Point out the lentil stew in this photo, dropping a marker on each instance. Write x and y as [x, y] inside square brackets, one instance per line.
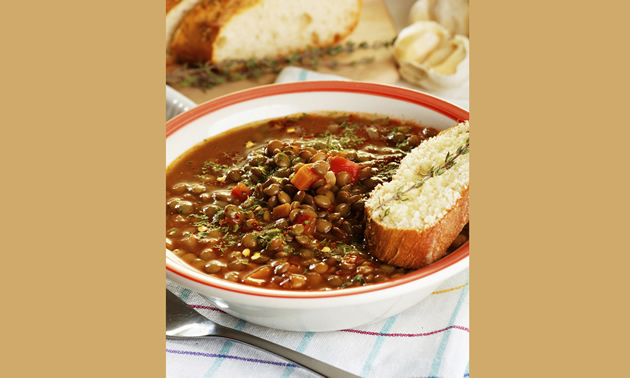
[279, 204]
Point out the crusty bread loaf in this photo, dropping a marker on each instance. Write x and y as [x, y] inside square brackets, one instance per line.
[175, 13]
[218, 30]
[417, 229]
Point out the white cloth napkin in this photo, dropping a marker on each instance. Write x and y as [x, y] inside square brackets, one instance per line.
[431, 339]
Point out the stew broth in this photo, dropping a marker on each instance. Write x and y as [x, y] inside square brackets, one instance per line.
[279, 204]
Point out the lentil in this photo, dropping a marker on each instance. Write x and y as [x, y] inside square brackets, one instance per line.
[280, 237]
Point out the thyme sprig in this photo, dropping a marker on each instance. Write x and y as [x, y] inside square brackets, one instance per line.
[449, 162]
[207, 75]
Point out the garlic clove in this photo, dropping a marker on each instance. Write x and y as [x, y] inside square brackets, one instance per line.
[419, 48]
[452, 14]
[447, 62]
[429, 56]
[441, 54]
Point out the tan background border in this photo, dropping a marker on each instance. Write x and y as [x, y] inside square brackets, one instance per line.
[82, 156]
[82, 187]
[549, 201]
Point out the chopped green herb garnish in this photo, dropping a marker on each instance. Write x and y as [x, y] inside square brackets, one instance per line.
[359, 278]
[212, 167]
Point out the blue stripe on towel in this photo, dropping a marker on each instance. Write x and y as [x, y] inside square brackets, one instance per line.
[185, 294]
[305, 340]
[224, 351]
[437, 361]
[377, 346]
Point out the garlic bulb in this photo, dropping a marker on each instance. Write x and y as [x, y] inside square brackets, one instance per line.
[430, 56]
[452, 14]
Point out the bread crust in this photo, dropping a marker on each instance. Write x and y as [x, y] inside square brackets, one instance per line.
[195, 39]
[170, 4]
[414, 249]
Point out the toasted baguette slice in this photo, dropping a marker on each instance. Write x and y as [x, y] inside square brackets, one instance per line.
[417, 230]
[218, 30]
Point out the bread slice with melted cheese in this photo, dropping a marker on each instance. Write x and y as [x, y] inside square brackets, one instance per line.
[416, 228]
[218, 30]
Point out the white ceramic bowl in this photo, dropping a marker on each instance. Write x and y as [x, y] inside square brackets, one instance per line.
[318, 310]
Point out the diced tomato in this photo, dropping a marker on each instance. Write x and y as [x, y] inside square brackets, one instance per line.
[235, 219]
[241, 191]
[339, 164]
[305, 177]
[308, 222]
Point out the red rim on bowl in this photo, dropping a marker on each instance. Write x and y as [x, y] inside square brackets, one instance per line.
[427, 101]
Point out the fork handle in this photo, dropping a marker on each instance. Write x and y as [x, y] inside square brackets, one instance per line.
[315, 366]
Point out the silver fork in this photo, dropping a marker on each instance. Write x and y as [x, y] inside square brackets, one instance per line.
[182, 322]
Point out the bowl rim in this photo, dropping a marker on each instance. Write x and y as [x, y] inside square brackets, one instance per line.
[457, 114]
[436, 104]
